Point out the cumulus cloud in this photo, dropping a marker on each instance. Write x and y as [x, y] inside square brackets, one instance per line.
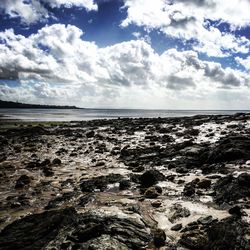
[244, 62]
[56, 65]
[34, 10]
[191, 20]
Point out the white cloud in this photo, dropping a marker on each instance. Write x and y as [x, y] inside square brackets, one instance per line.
[56, 66]
[87, 4]
[188, 20]
[244, 62]
[34, 10]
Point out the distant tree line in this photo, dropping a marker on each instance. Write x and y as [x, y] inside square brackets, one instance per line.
[8, 105]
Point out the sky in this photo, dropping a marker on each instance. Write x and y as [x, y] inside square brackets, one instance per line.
[149, 54]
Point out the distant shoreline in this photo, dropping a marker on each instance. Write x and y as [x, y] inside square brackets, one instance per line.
[18, 105]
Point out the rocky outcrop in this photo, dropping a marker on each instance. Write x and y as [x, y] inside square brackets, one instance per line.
[230, 189]
[66, 229]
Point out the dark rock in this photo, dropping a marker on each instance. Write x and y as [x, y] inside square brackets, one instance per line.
[85, 199]
[36, 231]
[194, 240]
[100, 163]
[156, 203]
[177, 211]
[91, 230]
[15, 204]
[191, 226]
[151, 177]
[22, 181]
[124, 184]
[205, 220]
[176, 227]
[189, 190]
[230, 149]
[99, 182]
[138, 169]
[151, 193]
[33, 164]
[59, 200]
[193, 132]
[230, 233]
[182, 170]
[230, 188]
[48, 171]
[244, 180]
[236, 210]
[45, 162]
[205, 184]
[56, 161]
[90, 134]
[57, 229]
[95, 225]
[159, 238]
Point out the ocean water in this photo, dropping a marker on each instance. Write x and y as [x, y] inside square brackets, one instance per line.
[90, 114]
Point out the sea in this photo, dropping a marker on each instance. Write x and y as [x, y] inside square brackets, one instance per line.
[91, 114]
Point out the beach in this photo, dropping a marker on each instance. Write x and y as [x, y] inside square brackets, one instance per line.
[126, 183]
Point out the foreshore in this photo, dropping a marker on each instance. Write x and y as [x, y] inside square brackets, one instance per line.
[146, 183]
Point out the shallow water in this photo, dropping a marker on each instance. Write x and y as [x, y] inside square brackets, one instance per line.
[89, 114]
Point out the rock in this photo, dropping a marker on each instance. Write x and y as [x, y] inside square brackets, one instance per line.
[100, 164]
[177, 211]
[156, 203]
[151, 193]
[194, 240]
[99, 182]
[36, 231]
[205, 220]
[15, 204]
[189, 190]
[60, 229]
[22, 181]
[124, 184]
[59, 200]
[230, 149]
[181, 170]
[106, 242]
[230, 233]
[192, 132]
[151, 177]
[191, 226]
[90, 134]
[159, 238]
[176, 227]
[204, 184]
[138, 169]
[45, 162]
[94, 226]
[244, 180]
[48, 171]
[85, 199]
[229, 188]
[56, 161]
[236, 210]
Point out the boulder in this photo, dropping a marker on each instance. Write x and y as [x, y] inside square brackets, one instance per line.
[99, 182]
[159, 238]
[230, 189]
[22, 181]
[230, 149]
[66, 229]
[151, 177]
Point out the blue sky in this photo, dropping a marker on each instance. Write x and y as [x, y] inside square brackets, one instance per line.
[126, 54]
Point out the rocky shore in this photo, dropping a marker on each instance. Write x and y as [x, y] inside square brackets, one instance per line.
[165, 183]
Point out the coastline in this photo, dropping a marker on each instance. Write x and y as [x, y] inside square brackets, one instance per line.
[163, 179]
